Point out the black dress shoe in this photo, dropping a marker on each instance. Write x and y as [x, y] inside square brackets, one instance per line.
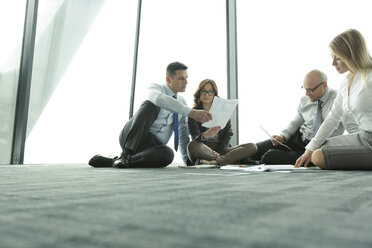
[123, 161]
[99, 161]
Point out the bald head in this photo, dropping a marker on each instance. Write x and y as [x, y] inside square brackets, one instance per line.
[316, 75]
[315, 83]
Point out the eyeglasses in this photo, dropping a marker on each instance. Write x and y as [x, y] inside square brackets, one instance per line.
[210, 92]
[313, 89]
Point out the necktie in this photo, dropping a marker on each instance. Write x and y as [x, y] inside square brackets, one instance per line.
[175, 127]
[318, 117]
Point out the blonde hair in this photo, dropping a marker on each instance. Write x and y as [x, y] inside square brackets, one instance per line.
[351, 48]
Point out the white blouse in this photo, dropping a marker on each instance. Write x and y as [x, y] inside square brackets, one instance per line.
[358, 104]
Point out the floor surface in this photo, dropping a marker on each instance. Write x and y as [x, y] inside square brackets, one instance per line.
[80, 206]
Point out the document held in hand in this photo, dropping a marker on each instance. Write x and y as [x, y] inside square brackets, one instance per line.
[271, 137]
[221, 111]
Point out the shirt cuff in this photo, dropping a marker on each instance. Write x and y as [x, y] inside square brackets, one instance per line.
[286, 136]
[185, 111]
[311, 146]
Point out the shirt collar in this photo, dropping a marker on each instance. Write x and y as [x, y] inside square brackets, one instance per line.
[168, 90]
[325, 97]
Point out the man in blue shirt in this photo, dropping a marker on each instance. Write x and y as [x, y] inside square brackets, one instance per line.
[144, 137]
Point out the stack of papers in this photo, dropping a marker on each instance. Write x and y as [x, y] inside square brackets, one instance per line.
[199, 166]
[263, 168]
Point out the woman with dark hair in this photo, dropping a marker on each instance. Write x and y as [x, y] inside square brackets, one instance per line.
[212, 145]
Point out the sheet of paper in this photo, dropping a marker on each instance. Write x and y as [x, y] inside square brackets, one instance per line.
[221, 111]
[291, 168]
[199, 166]
[253, 168]
[275, 168]
[271, 137]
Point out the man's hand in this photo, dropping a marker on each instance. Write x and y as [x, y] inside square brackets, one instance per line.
[211, 132]
[200, 115]
[305, 159]
[278, 138]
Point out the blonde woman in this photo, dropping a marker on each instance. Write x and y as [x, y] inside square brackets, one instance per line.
[353, 151]
[212, 146]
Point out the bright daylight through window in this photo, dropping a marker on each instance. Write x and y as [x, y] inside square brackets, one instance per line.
[82, 72]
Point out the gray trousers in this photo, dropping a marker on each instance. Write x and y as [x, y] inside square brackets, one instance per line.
[199, 150]
[348, 152]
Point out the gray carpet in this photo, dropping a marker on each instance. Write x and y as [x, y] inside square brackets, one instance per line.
[79, 206]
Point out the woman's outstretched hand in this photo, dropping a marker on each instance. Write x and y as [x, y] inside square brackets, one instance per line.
[305, 159]
[211, 132]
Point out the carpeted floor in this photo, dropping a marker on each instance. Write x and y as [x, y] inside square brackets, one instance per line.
[79, 206]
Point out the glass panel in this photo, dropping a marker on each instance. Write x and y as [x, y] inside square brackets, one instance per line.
[81, 79]
[192, 32]
[12, 15]
[279, 42]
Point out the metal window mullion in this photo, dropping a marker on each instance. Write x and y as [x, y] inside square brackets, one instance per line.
[134, 72]
[24, 83]
[232, 65]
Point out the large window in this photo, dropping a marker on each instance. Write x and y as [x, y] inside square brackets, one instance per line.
[192, 32]
[278, 43]
[12, 14]
[82, 72]
[81, 79]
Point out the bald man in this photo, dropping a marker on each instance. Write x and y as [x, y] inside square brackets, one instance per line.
[319, 98]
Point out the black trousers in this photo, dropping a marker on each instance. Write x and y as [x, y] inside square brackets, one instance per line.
[269, 154]
[147, 151]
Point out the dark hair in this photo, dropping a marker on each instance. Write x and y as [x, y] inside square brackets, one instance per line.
[173, 67]
[197, 102]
